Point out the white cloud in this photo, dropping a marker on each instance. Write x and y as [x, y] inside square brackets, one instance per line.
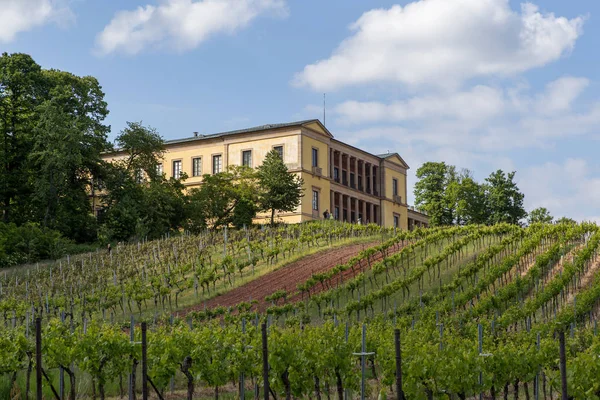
[23, 15]
[443, 43]
[479, 103]
[483, 118]
[560, 94]
[568, 189]
[479, 128]
[180, 24]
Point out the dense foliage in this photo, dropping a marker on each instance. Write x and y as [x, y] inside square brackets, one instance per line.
[30, 243]
[440, 286]
[450, 197]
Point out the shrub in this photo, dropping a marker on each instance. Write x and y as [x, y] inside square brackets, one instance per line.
[30, 243]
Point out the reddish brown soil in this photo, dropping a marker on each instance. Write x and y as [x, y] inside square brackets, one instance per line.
[288, 277]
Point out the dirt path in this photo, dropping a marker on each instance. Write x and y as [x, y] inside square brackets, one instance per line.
[585, 281]
[558, 267]
[286, 278]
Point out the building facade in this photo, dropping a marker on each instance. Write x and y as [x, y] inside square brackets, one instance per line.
[343, 180]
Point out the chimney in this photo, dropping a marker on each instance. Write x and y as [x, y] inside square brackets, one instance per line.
[195, 134]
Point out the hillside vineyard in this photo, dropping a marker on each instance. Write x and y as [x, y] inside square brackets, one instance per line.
[479, 309]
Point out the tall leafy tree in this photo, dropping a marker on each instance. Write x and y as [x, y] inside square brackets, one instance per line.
[281, 191]
[144, 149]
[504, 199]
[139, 202]
[469, 200]
[540, 214]
[67, 144]
[430, 192]
[21, 91]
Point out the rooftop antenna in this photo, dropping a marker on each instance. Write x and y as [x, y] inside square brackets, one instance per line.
[323, 109]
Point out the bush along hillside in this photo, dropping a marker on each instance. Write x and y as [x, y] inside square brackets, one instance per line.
[480, 312]
[30, 243]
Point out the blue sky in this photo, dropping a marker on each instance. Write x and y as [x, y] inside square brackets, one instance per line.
[481, 84]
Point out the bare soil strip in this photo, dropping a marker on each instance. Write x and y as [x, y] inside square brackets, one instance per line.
[286, 278]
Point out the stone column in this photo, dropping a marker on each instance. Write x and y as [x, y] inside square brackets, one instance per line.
[371, 213]
[364, 210]
[348, 208]
[348, 169]
[374, 183]
[355, 181]
[367, 184]
[331, 201]
[356, 208]
[364, 177]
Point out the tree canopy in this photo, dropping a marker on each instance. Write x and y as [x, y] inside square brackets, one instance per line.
[540, 214]
[452, 197]
[280, 190]
[51, 139]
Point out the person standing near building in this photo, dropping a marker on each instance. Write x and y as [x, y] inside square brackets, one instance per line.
[326, 214]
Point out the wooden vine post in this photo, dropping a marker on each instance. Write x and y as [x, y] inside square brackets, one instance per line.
[265, 353]
[563, 365]
[38, 358]
[399, 391]
[144, 363]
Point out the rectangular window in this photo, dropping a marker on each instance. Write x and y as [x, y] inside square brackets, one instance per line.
[336, 174]
[217, 164]
[197, 166]
[247, 158]
[159, 169]
[352, 179]
[396, 221]
[360, 186]
[395, 187]
[177, 169]
[336, 213]
[279, 149]
[315, 200]
[315, 157]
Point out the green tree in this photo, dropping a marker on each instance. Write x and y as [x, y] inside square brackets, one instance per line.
[164, 207]
[144, 149]
[244, 212]
[139, 202]
[222, 199]
[540, 214]
[468, 199]
[20, 93]
[280, 190]
[504, 199]
[566, 220]
[430, 192]
[67, 144]
[51, 138]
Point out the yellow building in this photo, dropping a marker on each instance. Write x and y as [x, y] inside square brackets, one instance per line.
[348, 182]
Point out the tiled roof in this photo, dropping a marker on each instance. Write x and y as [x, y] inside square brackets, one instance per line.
[235, 132]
